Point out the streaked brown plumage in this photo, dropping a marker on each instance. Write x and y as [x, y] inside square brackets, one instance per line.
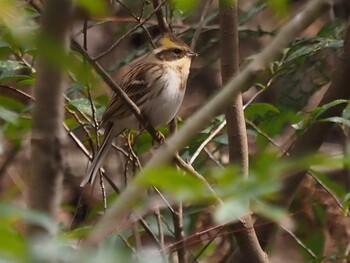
[156, 83]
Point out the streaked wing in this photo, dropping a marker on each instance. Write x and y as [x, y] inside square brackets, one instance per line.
[137, 86]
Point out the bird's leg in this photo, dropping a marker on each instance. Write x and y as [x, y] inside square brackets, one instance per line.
[160, 137]
[156, 135]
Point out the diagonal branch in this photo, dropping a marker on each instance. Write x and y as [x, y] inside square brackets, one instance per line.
[134, 192]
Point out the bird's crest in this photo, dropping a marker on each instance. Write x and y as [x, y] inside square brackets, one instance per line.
[170, 41]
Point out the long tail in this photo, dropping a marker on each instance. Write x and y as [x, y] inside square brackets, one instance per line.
[110, 132]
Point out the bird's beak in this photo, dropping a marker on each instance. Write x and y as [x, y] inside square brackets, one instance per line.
[191, 54]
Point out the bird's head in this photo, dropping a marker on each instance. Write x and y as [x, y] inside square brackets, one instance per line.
[171, 48]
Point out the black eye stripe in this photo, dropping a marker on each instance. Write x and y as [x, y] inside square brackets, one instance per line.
[177, 51]
[171, 54]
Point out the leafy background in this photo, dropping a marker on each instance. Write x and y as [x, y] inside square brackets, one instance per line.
[278, 109]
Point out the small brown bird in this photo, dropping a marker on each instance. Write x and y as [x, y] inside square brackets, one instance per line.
[156, 83]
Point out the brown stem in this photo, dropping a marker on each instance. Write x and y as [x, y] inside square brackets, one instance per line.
[162, 24]
[48, 136]
[236, 129]
[179, 234]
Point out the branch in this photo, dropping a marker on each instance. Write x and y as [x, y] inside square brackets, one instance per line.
[134, 192]
[247, 241]
[162, 24]
[140, 24]
[48, 136]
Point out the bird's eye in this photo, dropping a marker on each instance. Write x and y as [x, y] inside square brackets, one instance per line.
[177, 51]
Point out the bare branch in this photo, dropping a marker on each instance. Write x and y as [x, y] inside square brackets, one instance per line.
[129, 32]
[162, 24]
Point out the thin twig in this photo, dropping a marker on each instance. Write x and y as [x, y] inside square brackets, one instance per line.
[207, 245]
[179, 234]
[206, 141]
[201, 24]
[329, 191]
[210, 155]
[300, 243]
[126, 242]
[103, 191]
[162, 24]
[139, 20]
[128, 33]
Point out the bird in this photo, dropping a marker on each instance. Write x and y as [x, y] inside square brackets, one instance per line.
[156, 83]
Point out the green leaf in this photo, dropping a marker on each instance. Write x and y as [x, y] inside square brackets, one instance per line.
[144, 142]
[338, 120]
[93, 7]
[329, 184]
[279, 6]
[13, 246]
[182, 187]
[8, 115]
[82, 104]
[13, 77]
[346, 203]
[184, 5]
[259, 109]
[230, 210]
[26, 82]
[12, 104]
[14, 212]
[333, 29]
[268, 211]
[245, 16]
[8, 67]
[316, 113]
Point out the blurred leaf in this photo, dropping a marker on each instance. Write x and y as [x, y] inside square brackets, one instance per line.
[182, 187]
[327, 182]
[245, 16]
[8, 115]
[317, 112]
[309, 47]
[184, 5]
[259, 109]
[12, 104]
[26, 82]
[332, 29]
[231, 210]
[10, 65]
[82, 105]
[337, 120]
[93, 7]
[222, 139]
[274, 213]
[346, 203]
[75, 88]
[13, 247]
[9, 77]
[279, 6]
[16, 132]
[16, 213]
[143, 143]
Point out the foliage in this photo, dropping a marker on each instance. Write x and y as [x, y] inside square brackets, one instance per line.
[268, 119]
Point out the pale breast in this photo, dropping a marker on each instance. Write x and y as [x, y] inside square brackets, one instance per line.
[167, 98]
